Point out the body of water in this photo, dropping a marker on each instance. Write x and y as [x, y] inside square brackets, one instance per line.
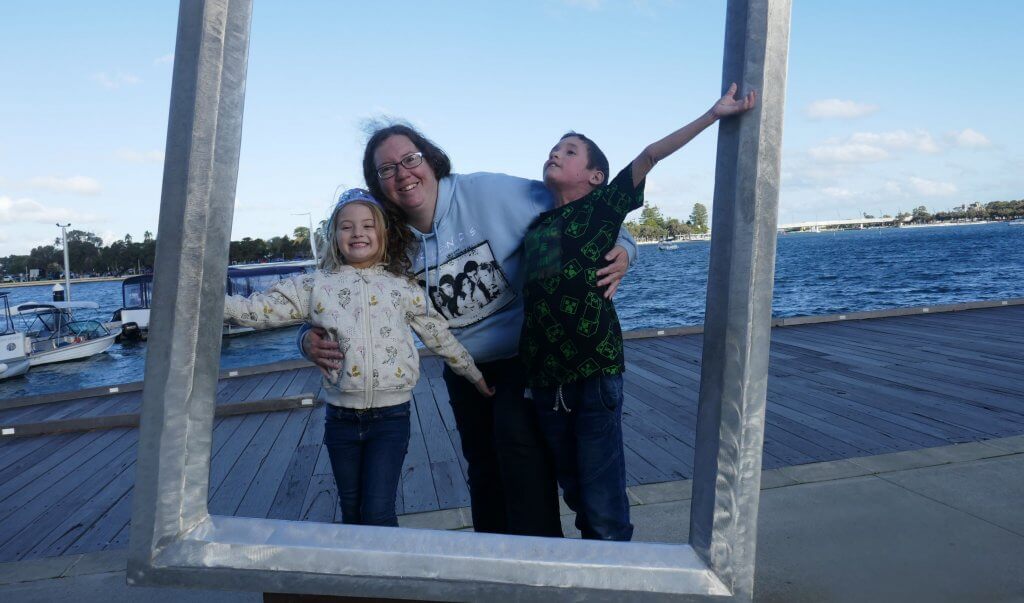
[815, 273]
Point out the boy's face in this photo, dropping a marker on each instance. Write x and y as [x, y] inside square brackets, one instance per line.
[566, 166]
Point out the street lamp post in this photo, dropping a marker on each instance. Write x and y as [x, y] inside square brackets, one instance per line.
[67, 269]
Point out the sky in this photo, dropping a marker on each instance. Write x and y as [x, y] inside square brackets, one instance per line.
[889, 105]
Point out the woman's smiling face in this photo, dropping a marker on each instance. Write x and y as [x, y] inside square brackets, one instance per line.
[413, 190]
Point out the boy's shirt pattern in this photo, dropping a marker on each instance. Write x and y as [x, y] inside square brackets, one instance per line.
[571, 332]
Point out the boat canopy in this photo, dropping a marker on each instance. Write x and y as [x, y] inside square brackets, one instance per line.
[254, 278]
[136, 291]
[243, 279]
[47, 307]
[7, 326]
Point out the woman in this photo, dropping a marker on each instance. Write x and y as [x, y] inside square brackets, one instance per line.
[482, 218]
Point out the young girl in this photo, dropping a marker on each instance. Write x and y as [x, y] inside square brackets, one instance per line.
[362, 298]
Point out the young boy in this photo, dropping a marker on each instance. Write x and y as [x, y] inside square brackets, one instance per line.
[571, 341]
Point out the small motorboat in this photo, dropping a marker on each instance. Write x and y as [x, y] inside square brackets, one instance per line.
[13, 355]
[55, 336]
[668, 246]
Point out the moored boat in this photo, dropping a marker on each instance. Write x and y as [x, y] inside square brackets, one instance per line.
[55, 336]
[13, 355]
[243, 279]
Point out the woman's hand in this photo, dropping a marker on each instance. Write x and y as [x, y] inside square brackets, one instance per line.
[727, 105]
[618, 264]
[324, 353]
[484, 389]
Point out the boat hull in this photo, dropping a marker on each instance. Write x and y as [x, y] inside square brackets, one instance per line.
[13, 368]
[74, 351]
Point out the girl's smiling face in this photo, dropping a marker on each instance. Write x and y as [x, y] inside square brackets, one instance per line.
[356, 233]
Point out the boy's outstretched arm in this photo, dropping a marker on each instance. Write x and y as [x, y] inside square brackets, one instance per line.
[656, 151]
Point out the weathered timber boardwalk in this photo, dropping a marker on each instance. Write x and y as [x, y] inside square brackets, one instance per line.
[837, 390]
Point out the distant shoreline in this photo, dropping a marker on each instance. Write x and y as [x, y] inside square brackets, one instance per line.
[824, 230]
[94, 279]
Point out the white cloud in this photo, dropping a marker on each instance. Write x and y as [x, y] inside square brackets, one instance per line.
[836, 192]
[14, 211]
[116, 80]
[894, 188]
[865, 147]
[849, 153]
[932, 188]
[918, 140]
[79, 185]
[166, 59]
[834, 108]
[969, 139]
[133, 156]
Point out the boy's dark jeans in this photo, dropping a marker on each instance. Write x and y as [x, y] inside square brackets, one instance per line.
[367, 449]
[589, 461]
[512, 484]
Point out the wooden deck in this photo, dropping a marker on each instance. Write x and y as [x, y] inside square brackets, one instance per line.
[837, 390]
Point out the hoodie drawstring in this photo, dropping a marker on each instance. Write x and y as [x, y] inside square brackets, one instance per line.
[426, 266]
[560, 401]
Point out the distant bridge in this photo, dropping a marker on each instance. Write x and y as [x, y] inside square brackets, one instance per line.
[848, 223]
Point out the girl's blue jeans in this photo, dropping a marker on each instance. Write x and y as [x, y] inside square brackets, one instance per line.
[583, 427]
[367, 449]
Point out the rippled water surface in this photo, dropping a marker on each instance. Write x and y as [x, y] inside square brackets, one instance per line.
[815, 273]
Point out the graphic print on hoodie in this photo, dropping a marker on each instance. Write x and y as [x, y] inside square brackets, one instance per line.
[468, 286]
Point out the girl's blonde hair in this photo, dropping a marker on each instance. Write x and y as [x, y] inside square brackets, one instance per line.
[395, 259]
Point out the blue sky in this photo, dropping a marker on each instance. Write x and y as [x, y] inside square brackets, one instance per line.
[890, 105]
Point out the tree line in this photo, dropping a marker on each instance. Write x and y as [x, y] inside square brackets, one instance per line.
[973, 212]
[653, 226]
[88, 256]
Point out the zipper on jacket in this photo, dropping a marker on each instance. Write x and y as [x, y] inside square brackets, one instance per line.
[368, 338]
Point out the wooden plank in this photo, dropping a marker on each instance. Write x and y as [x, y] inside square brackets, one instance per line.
[959, 425]
[39, 514]
[416, 483]
[106, 487]
[291, 493]
[228, 453]
[102, 532]
[262, 489]
[844, 437]
[22, 453]
[902, 433]
[449, 485]
[226, 499]
[656, 447]
[970, 400]
[263, 387]
[55, 469]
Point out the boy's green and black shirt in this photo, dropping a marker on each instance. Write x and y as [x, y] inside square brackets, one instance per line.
[571, 331]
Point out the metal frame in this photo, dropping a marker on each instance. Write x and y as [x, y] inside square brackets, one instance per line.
[176, 542]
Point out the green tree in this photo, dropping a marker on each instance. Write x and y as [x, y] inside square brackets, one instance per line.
[699, 218]
[651, 217]
[920, 214]
[676, 228]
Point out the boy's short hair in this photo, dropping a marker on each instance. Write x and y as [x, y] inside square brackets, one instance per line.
[596, 158]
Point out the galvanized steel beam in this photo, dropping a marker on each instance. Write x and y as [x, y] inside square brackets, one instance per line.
[174, 540]
[737, 322]
[204, 133]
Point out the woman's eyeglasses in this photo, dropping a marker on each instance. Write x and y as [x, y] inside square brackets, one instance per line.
[388, 170]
